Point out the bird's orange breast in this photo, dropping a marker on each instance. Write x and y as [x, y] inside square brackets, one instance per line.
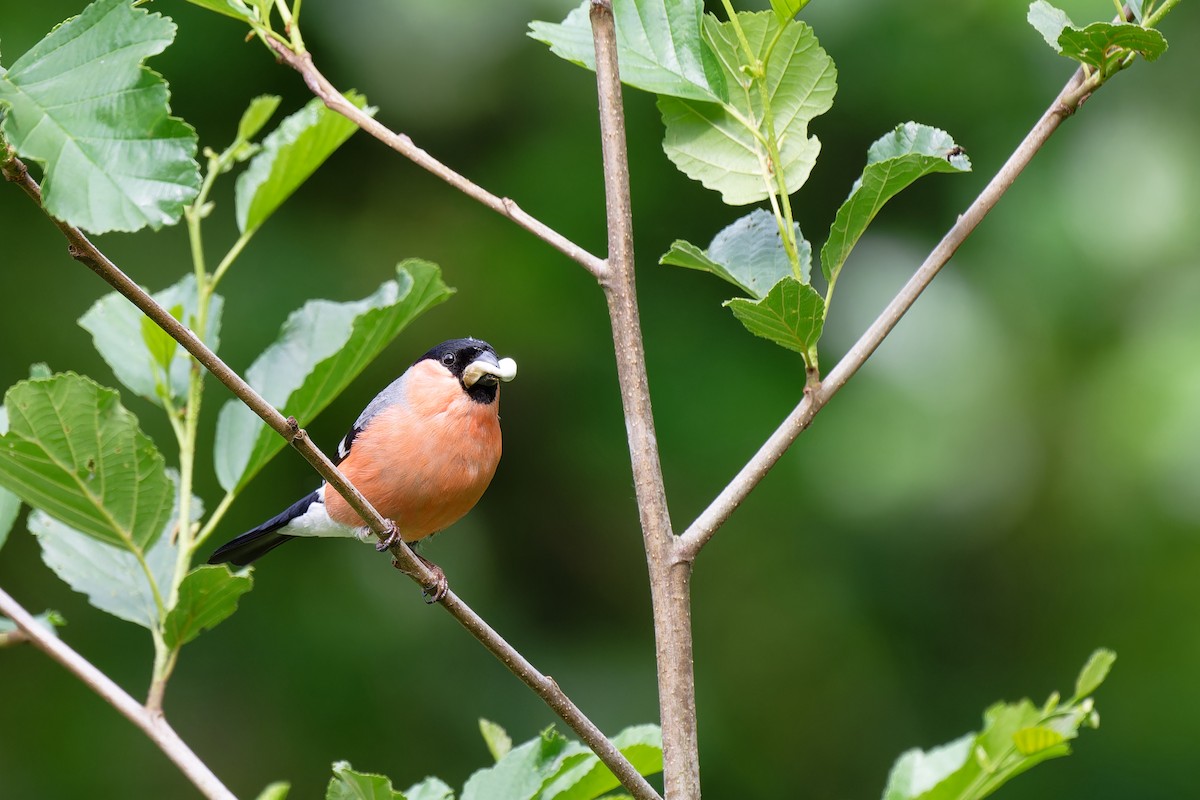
[425, 461]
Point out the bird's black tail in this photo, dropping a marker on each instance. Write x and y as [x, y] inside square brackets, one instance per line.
[257, 542]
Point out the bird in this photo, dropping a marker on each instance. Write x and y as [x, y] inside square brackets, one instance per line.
[422, 452]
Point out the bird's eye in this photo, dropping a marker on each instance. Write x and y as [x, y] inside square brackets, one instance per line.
[448, 359]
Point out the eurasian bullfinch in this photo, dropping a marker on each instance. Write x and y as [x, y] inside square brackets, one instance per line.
[422, 452]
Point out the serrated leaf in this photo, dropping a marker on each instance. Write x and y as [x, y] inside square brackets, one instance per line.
[321, 348]
[73, 451]
[719, 145]
[346, 784]
[118, 334]
[1093, 673]
[589, 777]
[207, 596]
[1036, 738]
[81, 104]
[275, 791]
[659, 46]
[114, 580]
[256, 115]
[748, 253]
[10, 504]
[50, 620]
[786, 9]
[429, 789]
[230, 8]
[498, 742]
[1049, 22]
[521, 774]
[290, 154]
[792, 315]
[1091, 44]
[894, 161]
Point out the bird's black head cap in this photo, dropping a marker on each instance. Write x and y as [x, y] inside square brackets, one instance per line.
[456, 355]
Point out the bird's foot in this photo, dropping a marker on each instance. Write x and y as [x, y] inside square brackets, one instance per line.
[392, 537]
[435, 591]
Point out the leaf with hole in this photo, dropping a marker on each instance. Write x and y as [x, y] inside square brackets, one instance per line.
[321, 348]
[660, 48]
[73, 451]
[289, 155]
[113, 158]
[123, 335]
[749, 253]
[723, 145]
[894, 161]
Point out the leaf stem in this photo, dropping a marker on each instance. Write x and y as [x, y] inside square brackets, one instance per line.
[1156, 17]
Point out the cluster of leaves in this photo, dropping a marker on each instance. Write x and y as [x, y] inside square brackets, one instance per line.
[113, 521]
[1103, 48]
[1014, 738]
[736, 99]
[547, 767]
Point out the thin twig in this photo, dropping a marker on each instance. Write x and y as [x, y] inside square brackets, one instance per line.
[701, 531]
[402, 144]
[82, 249]
[669, 578]
[153, 725]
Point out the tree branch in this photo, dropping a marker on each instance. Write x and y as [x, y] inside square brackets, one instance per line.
[82, 249]
[402, 144]
[1072, 96]
[669, 577]
[152, 724]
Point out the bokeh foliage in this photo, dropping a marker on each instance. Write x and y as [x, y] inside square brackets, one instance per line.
[990, 500]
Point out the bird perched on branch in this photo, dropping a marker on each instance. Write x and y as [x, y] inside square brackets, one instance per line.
[423, 452]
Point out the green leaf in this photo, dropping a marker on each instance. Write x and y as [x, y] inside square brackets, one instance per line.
[590, 778]
[499, 743]
[290, 154]
[119, 334]
[1093, 673]
[256, 115]
[786, 9]
[792, 315]
[159, 344]
[321, 348]
[659, 46]
[1014, 738]
[1049, 22]
[81, 104]
[894, 161]
[230, 8]
[276, 791]
[346, 784]
[10, 504]
[73, 451]
[1091, 45]
[429, 789]
[115, 580]
[749, 254]
[1036, 738]
[521, 774]
[719, 145]
[207, 596]
[50, 620]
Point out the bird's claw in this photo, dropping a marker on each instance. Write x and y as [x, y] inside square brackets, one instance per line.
[386, 542]
[435, 591]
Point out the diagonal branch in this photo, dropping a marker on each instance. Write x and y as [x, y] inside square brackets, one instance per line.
[718, 512]
[402, 144]
[153, 725]
[82, 250]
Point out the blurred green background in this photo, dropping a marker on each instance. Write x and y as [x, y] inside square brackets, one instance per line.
[1009, 483]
